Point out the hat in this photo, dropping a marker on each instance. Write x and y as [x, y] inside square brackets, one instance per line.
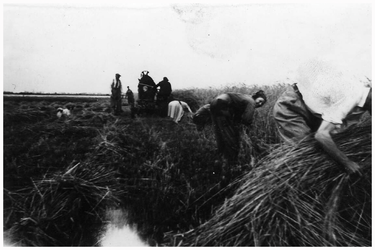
[118, 74]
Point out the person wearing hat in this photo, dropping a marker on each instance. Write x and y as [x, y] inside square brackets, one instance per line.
[118, 82]
[165, 89]
[116, 88]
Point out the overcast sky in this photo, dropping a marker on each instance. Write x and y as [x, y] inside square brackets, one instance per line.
[78, 48]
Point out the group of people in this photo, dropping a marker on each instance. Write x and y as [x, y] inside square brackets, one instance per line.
[147, 88]
[320, 101]
[116, 95]
[146, 91]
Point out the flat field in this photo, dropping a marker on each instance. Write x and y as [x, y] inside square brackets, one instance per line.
[62, 175]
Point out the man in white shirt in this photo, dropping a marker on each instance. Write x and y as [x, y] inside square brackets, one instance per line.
[326, 101]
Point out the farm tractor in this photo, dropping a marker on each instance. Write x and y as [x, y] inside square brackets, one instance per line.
[149, 102]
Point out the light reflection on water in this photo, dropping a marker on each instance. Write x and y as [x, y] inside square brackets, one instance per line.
[118, 233]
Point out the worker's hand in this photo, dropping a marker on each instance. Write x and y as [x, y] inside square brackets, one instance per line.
[352, 168]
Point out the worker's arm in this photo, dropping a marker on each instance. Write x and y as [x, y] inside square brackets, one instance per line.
[248, 115]
[323, 136]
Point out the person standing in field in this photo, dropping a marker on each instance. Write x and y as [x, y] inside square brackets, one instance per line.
[323, 100]
[165, 89]
[113, 92]
[129, 94]
[228, 111]
[116, 88]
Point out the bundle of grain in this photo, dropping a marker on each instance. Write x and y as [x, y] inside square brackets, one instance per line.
[297, 196]
[64, 209]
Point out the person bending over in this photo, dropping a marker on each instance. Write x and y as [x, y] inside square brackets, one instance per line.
[323, 100]
[228, 111]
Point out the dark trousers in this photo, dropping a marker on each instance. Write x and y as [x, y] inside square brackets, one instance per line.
[227, 131]
[293, 119]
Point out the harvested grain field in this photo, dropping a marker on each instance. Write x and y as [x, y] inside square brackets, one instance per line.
[63, 176]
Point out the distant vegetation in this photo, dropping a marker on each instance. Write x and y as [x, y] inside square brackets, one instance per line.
[55, 93]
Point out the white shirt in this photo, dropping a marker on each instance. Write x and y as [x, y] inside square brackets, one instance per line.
[61, 112]
[176, 110]
[330, 92]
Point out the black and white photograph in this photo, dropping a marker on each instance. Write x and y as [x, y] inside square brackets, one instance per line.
[187, 124]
